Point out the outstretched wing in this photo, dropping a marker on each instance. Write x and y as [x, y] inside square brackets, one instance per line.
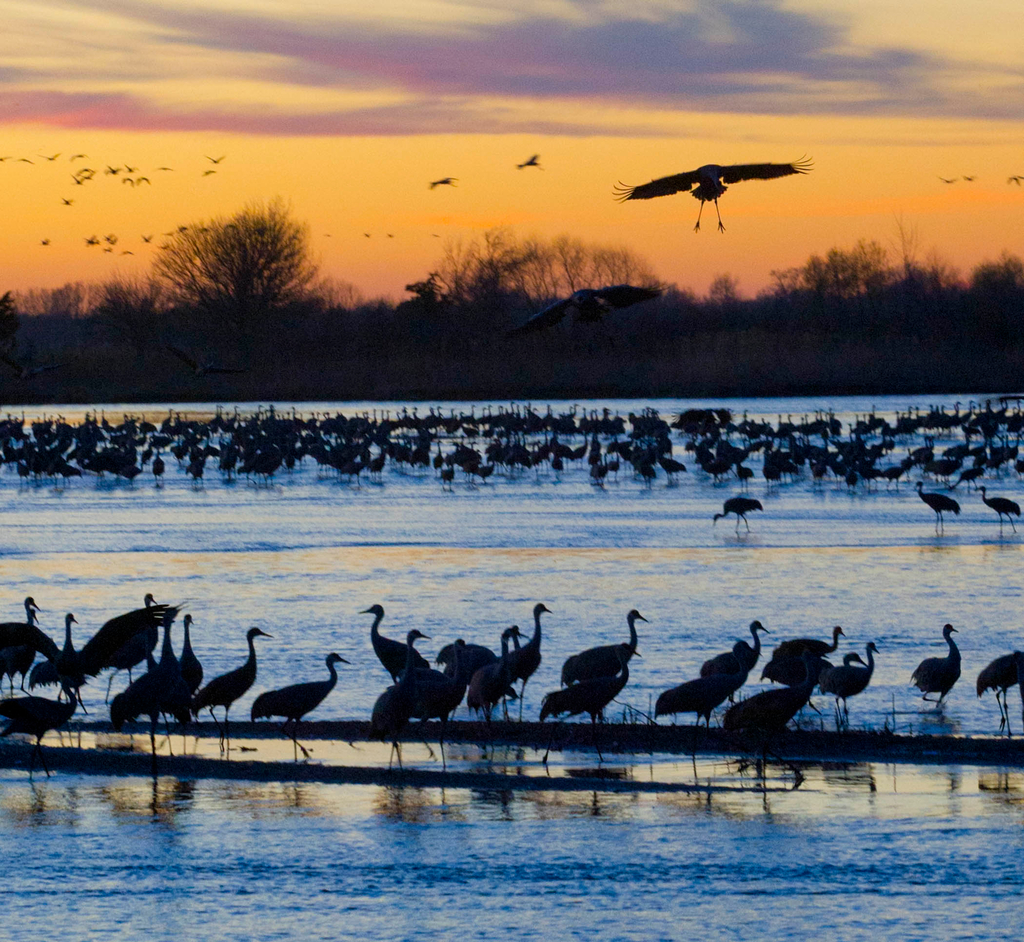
[117, 632]
[739, 172]
[550, 316]
[663, 186]
[183, 356]
[625, 295]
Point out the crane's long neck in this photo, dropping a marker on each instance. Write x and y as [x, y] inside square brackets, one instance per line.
[954, 651]
[333, 671]
[506, 661]
[250, 664]
[835, 641]
[375, 630]
[871, 661]
[69, 648]
[757, 641]
[166, 651]
[186, 644]
[633, 640]
[410, 656]
[535, 640]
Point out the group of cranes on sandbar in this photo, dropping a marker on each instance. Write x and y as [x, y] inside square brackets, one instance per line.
[591, 679]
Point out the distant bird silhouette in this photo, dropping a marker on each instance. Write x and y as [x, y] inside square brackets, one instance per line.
[938, 674]
[969, 179]
[940, 503]
[948, 179]
[786, 665]
[1002, 506]
[591, 304]
[1016, 178]
[392, 654]
[602, 661]
[227, 688]
[201, 369]
[213, 160]
[999, 675]
[295, 701]
[534, 161]
[191, 669]
[741, 506]
[444, 181]
[36, 716]
[707, 183]
[27, 372]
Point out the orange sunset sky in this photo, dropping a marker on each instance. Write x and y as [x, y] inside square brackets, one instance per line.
[347, 110]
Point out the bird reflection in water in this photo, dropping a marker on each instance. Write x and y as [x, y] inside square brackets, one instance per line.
[408, 805]
[161, 799]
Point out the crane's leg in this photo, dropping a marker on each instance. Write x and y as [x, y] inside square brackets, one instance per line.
[721, 228]
[220, 732]
[696, 228]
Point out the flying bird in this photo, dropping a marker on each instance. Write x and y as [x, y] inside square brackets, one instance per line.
[201, 369]
[591, 304]
[948, 179]
[534, 161]
[216, 160]
[1016, 178]
[444, 181]
[707, 183]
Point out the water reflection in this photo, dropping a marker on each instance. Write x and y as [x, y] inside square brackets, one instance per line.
[160, 800]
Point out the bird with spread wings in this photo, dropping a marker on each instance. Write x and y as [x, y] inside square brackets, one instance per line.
[707, 183]
[201, 369]
[591, 304]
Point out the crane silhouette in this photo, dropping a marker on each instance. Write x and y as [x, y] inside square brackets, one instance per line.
[701, 696]
[202, 369]
[490, 683]
[938, 674]
[848, 680]
[18, 658]
[444, 181]
[771, 710]
[392, 654]
[590, 304]
[36, 716]
[741, 657]
[786, 666]
[191, 669]
[602, 661]
[439, 694]
[1002, 506]
[707, 183]
[295, 701]
[526, 660]
[588, 696]
[999, 675]
[396, 705]
[741, 506]
[940, 503]
[227, 688]
[534, 161]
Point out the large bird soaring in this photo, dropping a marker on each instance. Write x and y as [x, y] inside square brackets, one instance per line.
[591, 304]
[707, 183]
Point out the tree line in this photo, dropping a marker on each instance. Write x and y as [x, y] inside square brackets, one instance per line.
[241, 293]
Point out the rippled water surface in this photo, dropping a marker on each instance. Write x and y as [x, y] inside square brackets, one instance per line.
[869, 850]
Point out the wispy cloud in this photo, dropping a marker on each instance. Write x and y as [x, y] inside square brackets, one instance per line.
[474, 66]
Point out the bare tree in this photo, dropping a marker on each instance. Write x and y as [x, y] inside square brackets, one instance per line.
[241, 270]
[135, 309]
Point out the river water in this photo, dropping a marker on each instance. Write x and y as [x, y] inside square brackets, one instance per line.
[867, 850]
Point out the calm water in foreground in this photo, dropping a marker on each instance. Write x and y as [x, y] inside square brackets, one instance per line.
[879, 851]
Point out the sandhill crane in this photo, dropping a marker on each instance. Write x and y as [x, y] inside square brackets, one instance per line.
[701, 695]
[588, 696]
[444, 181]
[707, 183]
[227, 688]
[191, 669]
[771, 710]
[999, 675]
[439, 694]
[741, 657]
[470, 658]
[395, 706]
[1002, 506]
[201, 369]
[534, 161]
[392, 654]
[295, 701]
[36, 716]
[940, 503]
[848, 680]
[741, 506]
[785, 665]
[526, 659]
[602, 661]
[489, 683]
[938, 674]
[18, 658]
[590, 304]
